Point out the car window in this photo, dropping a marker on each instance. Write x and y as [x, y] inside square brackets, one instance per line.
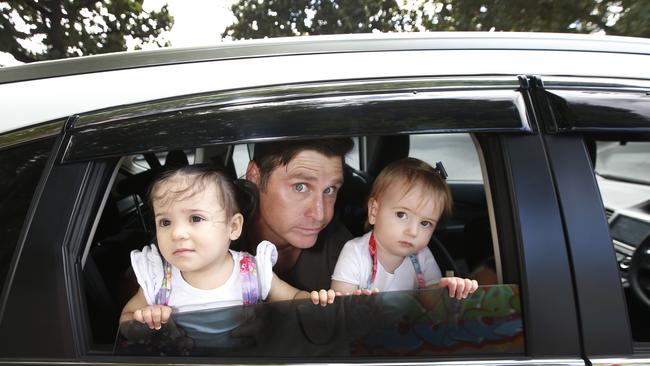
[400, 323]
[20, 170]
[462, 247]
[455, 151]
[623, 175]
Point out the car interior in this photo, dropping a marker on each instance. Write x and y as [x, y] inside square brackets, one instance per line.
[462, 241]
[621, 168]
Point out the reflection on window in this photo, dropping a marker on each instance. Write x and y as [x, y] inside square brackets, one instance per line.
[403, 323]
[456, 151]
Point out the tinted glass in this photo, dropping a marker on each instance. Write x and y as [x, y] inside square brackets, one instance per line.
[401, 323]
[623, 175]
[456, 151]
[20, 170]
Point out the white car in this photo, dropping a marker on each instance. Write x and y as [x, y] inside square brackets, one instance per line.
[517, 119]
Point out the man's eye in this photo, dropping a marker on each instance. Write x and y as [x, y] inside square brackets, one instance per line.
[400, 214]
[164, 222]
[299, 187]
[195, 218]
[329, 190]
[426, 224]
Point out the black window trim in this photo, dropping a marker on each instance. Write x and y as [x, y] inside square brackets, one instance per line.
[353, 107]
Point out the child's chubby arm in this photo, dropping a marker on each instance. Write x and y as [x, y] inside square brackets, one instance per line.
[343, 288]
[138, 309]
[281, 290]
[458, 287]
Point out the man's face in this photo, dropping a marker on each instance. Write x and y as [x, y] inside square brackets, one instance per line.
[298, 201]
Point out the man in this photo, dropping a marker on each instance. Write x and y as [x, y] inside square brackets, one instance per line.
[298, 182]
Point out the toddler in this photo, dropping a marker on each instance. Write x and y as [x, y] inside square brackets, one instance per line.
[406, 202]
[192, 267]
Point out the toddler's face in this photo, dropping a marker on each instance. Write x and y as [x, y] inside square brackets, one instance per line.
[404, 223]
[193, 231]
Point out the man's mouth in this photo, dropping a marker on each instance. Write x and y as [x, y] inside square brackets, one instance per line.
[309, 230]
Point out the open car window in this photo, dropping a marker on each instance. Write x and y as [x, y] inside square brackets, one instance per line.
[400, 323]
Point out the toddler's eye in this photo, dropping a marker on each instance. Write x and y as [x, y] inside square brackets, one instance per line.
[400, 214]
[164, 222]
[426, 224]
[195, 218]
[300, 187]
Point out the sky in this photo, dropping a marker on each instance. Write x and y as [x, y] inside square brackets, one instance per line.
[196, 23]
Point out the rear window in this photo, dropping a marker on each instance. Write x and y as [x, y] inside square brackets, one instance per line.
[20, 170]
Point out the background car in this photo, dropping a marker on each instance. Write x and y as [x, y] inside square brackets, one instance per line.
[519, 120]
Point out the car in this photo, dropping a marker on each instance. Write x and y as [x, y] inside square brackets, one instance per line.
[545, 139]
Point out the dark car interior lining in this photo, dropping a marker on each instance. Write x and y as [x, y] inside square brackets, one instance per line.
[462, 242]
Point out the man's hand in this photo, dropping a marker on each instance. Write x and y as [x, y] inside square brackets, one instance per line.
[322, 297]
[153, 315]
[458, 287]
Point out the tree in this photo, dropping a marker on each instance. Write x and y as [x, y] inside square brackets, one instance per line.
[68, 28]
[257, 19]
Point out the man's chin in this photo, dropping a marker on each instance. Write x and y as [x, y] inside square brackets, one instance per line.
[303, 241]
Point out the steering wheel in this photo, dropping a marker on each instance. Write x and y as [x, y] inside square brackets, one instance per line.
[639, 272]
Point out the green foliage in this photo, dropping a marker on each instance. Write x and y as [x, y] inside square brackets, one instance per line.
[277, 18]
[273, 18]
[77, 27]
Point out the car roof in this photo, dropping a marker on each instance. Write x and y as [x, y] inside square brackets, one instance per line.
[329, 44]
[53, 90]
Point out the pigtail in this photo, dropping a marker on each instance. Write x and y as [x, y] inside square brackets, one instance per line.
[247, 197]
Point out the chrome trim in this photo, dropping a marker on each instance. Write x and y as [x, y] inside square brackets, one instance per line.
[596, 83]
[468, 361]
[23, 135]
[99, 213]
[298, 91]
[620, 361]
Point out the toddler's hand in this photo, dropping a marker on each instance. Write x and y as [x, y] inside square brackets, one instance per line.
[322, 297]
[153, 315]
[357, 292]
[458, 287]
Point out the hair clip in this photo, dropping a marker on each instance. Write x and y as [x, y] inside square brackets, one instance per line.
[441, 170]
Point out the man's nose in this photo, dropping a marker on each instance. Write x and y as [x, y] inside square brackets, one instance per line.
[316, 209]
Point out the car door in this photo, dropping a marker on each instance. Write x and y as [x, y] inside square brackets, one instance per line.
[49, 299]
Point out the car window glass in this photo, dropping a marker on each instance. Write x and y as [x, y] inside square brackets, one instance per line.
[623, 176]
[400, 323]
[20, 170]
[463, 246]
[623, 161]
[455, 151]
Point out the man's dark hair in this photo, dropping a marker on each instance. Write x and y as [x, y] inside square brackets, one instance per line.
[270, 155]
